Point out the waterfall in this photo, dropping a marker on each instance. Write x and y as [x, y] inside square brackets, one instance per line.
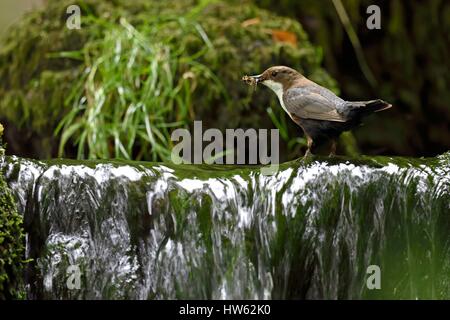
[138, 230]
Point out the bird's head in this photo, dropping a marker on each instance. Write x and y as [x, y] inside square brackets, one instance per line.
[278, 78]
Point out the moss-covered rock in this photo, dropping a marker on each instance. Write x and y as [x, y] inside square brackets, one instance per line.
[199, 50]
[12, 248]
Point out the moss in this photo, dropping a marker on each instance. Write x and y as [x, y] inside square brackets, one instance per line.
[12, 248]
[44, 66]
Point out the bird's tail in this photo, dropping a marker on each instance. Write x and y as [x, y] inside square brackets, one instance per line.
[366, 107]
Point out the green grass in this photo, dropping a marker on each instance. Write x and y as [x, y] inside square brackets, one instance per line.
[132, 94]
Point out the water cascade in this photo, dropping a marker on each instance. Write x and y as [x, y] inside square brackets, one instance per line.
[312, 230]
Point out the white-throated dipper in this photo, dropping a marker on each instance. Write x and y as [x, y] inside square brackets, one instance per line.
[318, 111]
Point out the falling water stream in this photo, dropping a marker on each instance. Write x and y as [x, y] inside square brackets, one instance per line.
[158, 231]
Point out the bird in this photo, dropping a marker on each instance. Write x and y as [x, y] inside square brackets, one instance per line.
[320, 113]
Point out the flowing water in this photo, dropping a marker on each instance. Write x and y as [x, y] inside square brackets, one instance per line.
[156, 231]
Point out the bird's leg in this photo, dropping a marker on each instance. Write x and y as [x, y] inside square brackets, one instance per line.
[333, 148]
[308, 152]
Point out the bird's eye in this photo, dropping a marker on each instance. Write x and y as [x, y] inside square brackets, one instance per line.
[274, 74]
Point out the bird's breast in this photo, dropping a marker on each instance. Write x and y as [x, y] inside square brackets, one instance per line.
[277, 88]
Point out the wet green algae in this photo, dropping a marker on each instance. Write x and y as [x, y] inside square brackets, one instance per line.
[44, 73]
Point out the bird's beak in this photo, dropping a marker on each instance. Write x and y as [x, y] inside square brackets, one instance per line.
[259, 78]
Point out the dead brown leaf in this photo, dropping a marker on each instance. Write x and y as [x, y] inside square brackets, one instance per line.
[284, 36]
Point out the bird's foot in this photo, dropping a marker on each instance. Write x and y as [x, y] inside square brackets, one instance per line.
[333, 149]
[308, 155]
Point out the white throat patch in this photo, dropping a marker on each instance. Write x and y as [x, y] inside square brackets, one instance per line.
[278, 89]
